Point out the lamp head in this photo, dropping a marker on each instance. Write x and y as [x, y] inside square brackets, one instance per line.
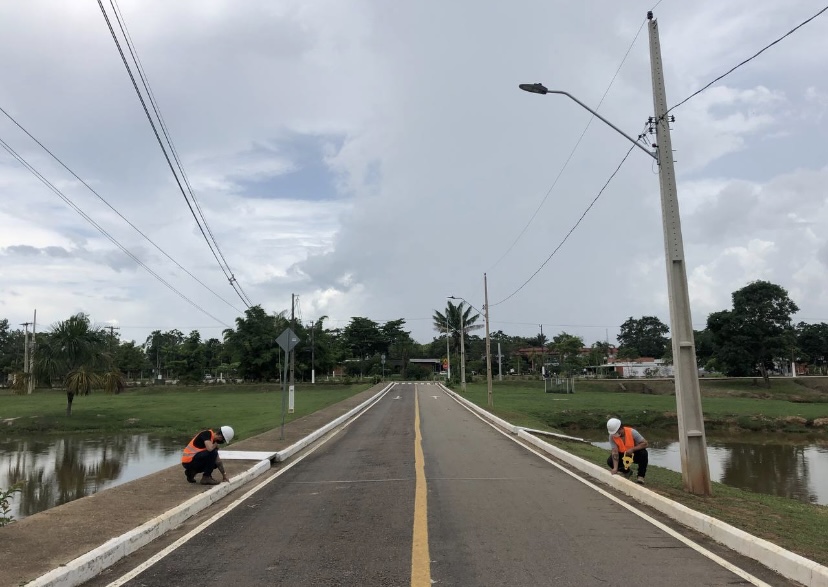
[534, 88]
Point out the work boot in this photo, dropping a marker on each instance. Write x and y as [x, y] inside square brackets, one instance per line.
[640, 480]
[190, 475]
[207, 480]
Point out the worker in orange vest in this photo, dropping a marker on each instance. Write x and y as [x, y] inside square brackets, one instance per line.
[201, 455]
[626, 442]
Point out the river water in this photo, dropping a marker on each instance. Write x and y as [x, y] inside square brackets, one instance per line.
[786, 466]
[59, 470]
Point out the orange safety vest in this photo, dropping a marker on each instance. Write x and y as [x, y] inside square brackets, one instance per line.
[624, 442]
[191, 449]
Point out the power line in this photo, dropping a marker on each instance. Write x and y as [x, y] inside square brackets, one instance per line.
[111, 207]
[752, 57]
[148, 88]
[100, 229]
[574, 148]
[571, 230]
[227, 272]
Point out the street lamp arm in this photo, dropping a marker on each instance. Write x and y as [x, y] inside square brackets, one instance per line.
[541, 89]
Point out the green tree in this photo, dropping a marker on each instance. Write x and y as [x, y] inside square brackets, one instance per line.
[455, 318]
[253, 343]
[812, 341]
[130, 358]
[11, 350]
[568, 348]
[646, 334]
[362, 338]
[757, 331]
[75, 351]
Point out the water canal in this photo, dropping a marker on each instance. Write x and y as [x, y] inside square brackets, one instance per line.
[769, 463]
[58, 470]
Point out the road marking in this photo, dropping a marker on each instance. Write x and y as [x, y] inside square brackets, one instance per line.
[420, 559]
[663, 527]
[398, 397]
[216, 517]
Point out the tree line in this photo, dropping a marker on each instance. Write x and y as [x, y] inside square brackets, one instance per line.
[754, 337]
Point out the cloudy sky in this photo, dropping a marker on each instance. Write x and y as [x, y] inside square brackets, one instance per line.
[374, 157]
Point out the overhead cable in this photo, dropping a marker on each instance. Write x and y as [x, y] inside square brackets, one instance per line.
[100, 229]
[571, 230]
[574, 148]
[210, 243]
[111, 207]
[754, 56]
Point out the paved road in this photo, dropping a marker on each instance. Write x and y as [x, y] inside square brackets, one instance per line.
[354, 512]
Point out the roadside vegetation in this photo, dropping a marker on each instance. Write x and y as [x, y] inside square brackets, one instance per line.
[167, 410]
[650, 404]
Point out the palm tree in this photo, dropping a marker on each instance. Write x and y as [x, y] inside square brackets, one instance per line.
[74, 352]
[455, 318]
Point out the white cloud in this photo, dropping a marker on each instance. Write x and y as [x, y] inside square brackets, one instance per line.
[434, 159]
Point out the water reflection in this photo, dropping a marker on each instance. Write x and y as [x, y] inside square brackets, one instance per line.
[58, 470]
[786, 467]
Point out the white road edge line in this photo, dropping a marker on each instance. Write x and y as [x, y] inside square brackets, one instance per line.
[664, 528]
[216, 517]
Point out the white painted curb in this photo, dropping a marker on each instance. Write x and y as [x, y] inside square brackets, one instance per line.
[94, 562]
[784, 562]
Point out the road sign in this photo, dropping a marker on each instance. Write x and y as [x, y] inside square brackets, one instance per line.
[382, 358]
[287, 340]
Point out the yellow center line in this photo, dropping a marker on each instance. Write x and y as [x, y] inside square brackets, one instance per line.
[420, 559]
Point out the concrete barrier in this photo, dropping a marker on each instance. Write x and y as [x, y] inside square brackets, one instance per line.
[786, 563]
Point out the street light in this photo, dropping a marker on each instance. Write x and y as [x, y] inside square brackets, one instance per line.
[693, 446]
[462, 348]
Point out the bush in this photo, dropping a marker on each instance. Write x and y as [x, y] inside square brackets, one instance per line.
[5, 503]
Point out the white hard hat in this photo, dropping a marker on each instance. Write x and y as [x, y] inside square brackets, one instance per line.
[613, 424]
[228, 433]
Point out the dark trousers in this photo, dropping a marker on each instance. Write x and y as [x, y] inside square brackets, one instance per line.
[203, 462]
[640, 458]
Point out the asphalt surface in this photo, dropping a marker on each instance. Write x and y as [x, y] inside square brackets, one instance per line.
[497, 515]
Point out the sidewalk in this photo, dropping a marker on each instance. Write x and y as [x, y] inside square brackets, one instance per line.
[37, 544]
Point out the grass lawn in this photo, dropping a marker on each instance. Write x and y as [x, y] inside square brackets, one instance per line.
[731, 407]
[174, 411]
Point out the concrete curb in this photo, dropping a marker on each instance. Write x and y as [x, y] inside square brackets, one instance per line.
[786, 563]
[94, 562]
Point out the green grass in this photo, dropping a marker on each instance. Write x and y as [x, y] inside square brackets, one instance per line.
[250, 409]
[525, 404]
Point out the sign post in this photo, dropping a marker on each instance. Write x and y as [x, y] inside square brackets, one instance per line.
[287, 340]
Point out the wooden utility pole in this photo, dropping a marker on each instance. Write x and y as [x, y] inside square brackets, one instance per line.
[112, 330]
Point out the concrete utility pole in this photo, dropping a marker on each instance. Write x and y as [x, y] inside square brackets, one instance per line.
[543, 353]
[292, 352]
[499, 364]
[26, 364]
[462, 351]
[448, 352]
[488, 342]
[31, 384]
[313, 354]
[693, 445]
